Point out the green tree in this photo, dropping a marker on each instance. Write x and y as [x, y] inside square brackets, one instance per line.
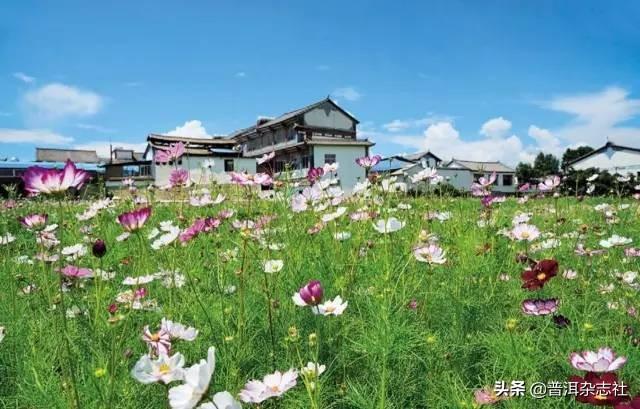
[546, 164]
[573, 154]
[525, 172]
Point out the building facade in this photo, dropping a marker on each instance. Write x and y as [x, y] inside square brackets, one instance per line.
[613, 158]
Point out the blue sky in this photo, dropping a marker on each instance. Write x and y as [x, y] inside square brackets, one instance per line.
[479, 80]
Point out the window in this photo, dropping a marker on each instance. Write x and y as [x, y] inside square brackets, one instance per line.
[329, 158]
[228, 165]
[305, 162]
[477, 176]
[279, 166]
[507, 180]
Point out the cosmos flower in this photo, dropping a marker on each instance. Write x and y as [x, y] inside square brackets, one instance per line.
[486, 396]
[332, 307]
[196, 383]
[76, 272]
[311, 294]
[34, 221]
[175, 151]
[134, 220]
[221, 400]
[312, 370]
[549, 184]
[272, 385]
[424, 174]
[604, 360]
[38, 180]
[245, 179]
[163, 369]
[368, 161]
[178, 331]
[525, 232]
[313, 174]
[540, 306]
[265, 158]
[431, 253]
[389, 225]
[272, 266]
[158, 342]
[615, 241]
[599, 390]
[179, 177]
[536, 277]
[330, 167]
[633, 404]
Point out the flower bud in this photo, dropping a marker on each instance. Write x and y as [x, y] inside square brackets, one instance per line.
[99, 248]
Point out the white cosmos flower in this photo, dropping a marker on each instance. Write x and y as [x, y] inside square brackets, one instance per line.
[332, 307]
[178, 331]
[272, 385]
[153, 233]
[273, 266]
[342, 235]
[75, 251]
[432, 254]
[525, 232]
[164, 369]
[138, 280]
[614, 241]
[389, 225]
[313, 370]
[332, 216]
[222, 400]
[169, 237]
[196, 383]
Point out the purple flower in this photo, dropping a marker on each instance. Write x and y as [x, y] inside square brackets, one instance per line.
[310, 294]
[604, 360]
[540, 306]
[132, 221]
[314, 174]
[99, 248]
[76, 272]
[34, 221]
[179, 177]
[49, 181]
[368, 161]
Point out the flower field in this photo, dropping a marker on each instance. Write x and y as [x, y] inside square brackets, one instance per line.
[227, 298]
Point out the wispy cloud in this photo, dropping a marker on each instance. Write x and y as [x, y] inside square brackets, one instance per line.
[348, 93]
[240, 74]
[398, 125]
[96, 128]
[56, 101]
[24, 77]
[37, 136]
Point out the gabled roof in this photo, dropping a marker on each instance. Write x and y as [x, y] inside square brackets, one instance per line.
[193, 146]
[477, 166]
[604, 147]
[61, 155]
[419, 155]
[290, 115]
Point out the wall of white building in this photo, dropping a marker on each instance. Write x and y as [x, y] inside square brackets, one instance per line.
[200, 174]
[349, 172]
[613, 161]
[462, 179]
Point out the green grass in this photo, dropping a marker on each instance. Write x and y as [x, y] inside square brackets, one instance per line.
[379, 353]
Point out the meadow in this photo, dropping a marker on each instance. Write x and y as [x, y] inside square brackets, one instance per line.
[117, 303]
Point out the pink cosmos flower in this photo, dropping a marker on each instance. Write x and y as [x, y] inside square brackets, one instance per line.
[34, 221]
[158, 342]
[50, 181]
[175, 151]
[245, 179]
[314, 174]
[486, 396]
[272, 385]
[604, 360]
[179, 177]
[486, 182]
[632, 252]
[549, 184]
[265, 158]
[525, 232]
[540, 306]
[134, 220]
[76, 272]
[199, 226]
[225, 214]
[368, 161]
[432, 254]
[310, 294]
[525, 187]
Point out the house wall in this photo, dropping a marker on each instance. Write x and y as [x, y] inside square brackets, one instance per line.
[328, 116]
[612, 160]
[463, 178]
[349, 172]
[198, 174]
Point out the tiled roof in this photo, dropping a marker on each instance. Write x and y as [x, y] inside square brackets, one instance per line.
[477, 166]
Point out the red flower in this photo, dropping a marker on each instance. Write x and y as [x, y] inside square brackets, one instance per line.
[634, 404]
[542, 272]
[599, 390]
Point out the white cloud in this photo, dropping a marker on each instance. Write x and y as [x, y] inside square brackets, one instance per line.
[240, 74]
[348, 93]
[546, 141]
[37, 136]
[54, 101]
[96, 128]
[102, 147]
[597, 116]
[444, 140]
[495, 128]
[398, 125]
[24, 77]
[193, 128]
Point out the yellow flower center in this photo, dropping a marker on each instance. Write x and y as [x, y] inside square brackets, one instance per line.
[155, 337]
[164, 368]
[275, 388]
[330, 308]
[525, 234]
[541, 276]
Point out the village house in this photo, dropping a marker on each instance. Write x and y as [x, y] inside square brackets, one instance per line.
[613, 158]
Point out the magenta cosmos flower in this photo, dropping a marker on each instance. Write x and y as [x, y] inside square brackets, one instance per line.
[76, 272]
[540, 306]
[314, 174]
[50, 181]
[368, 161]
[134, 220]
[34, 221]
[310, 294]
[179, 177]
[604, 360]
[175, 151]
